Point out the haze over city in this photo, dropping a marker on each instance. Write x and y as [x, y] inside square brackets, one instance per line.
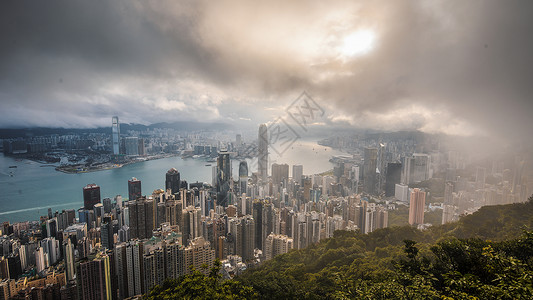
[455, 67]
[344, 149]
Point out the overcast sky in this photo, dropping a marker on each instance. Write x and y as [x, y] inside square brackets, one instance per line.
[457, 67]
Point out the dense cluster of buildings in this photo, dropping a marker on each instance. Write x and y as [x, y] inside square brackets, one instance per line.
[115, 248]
[394, 165]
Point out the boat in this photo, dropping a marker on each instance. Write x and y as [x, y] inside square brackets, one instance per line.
[207, 165]
[12, 167]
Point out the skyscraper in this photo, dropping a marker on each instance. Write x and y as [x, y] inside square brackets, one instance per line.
[131, 144]
[277, 244]
[95, 278]
[115, 129]
[134, 188]
[393, 177]
[243, 176]
[369, 170]
[416, 207]
[68, 250]
[224, 180]
[280, 172]
[297, 172]
[141, 218]
[172, 181]
[91, 196]
[416, 168]
[262, 156]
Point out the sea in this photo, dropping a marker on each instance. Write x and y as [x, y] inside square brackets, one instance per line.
[27, 191]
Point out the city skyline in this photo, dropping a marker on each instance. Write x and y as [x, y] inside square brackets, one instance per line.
[440, 67]
[170, 149]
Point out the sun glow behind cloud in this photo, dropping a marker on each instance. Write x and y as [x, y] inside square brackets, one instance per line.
[358, 43]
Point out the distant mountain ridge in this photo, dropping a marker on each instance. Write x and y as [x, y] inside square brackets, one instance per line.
[8, 133]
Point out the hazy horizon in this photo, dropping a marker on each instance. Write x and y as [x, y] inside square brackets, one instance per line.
[453, 67]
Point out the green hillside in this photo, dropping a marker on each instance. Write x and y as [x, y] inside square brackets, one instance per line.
[486, 255]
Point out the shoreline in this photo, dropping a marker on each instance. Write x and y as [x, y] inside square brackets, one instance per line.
[73, 169]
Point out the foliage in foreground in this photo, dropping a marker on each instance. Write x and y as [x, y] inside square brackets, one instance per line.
[199, 286]
[486, 255]
[453, 261]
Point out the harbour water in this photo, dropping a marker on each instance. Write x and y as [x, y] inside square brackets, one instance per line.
[27, 191]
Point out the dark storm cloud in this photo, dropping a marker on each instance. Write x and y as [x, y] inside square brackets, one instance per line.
[459, 67]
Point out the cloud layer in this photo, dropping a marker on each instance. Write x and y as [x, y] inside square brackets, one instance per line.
[458, 67]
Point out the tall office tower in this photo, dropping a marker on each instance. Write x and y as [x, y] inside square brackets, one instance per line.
[95, 278]
[134, 188]
[277, 244]
[422, 167]
[238, 140]
[131, 144]
[172, 181]
[115, 129]
[416, 207]
[91, 196]
[369, 170]
[280, 173]
[262, 155]
[68, 250]
[243, 176]
[381, 168]
[416, 168]
[393, 177]
[224, 180]
[297, 173]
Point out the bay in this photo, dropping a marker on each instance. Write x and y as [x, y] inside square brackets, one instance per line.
[35, 187]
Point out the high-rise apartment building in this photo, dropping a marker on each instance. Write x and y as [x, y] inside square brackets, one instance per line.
[277, 244]
[95, 279]
[416, 207]
[198, 253]
[141, 218]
